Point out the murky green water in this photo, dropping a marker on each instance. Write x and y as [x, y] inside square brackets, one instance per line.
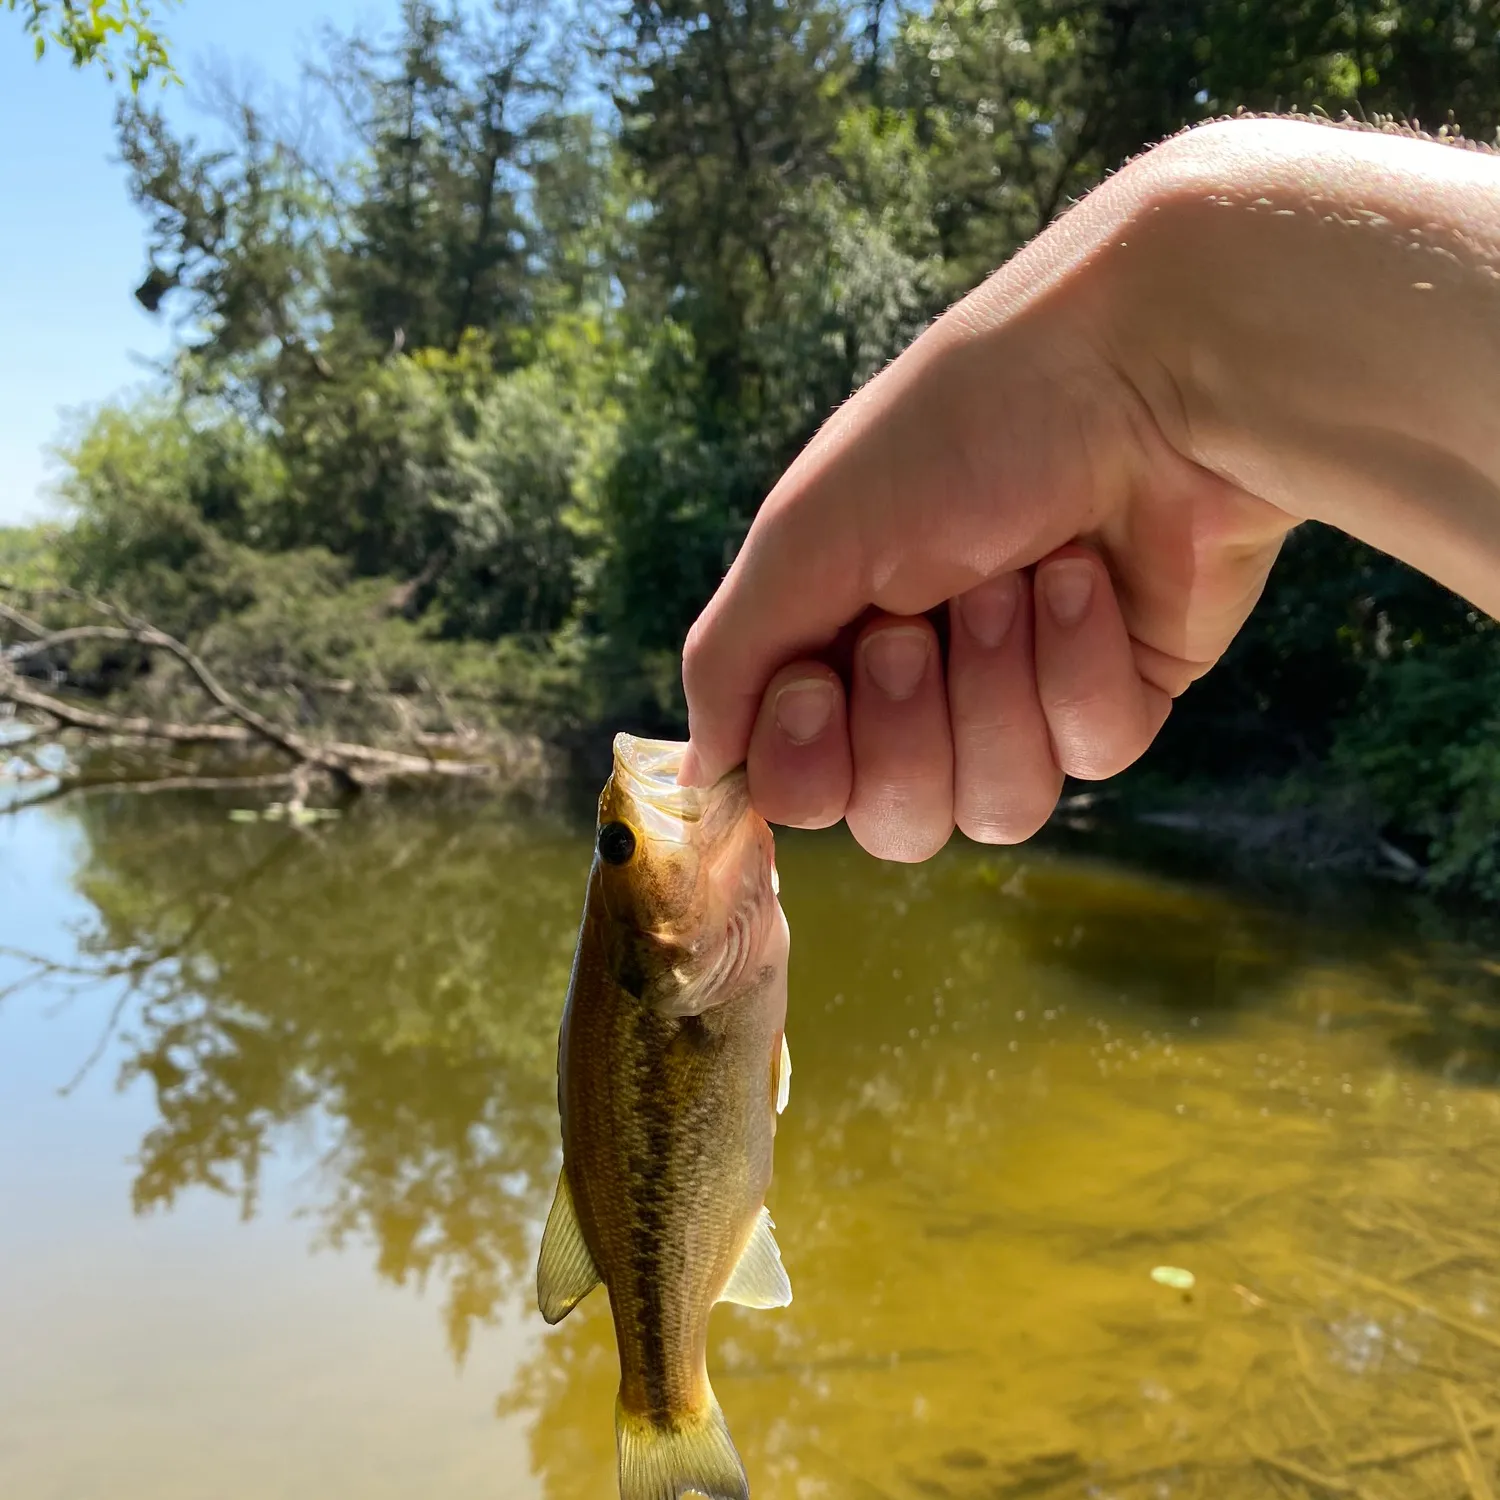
[277, 1137]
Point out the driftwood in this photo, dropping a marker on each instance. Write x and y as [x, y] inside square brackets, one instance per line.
[349, 766]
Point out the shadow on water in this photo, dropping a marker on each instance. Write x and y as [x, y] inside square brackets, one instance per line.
[1021, 1082]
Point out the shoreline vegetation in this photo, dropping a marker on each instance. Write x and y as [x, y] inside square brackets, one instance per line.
[490, 344]
[37, 675]
[89, 708]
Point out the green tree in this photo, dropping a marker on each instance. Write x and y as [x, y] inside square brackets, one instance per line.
[1024, 104]
[448, 121]
[98, 31]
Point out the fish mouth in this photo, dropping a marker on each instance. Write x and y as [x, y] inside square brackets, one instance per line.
[649, 768]
[645, 774]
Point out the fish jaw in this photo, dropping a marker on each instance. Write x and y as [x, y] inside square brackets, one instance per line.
[692, 900]
[643, 791]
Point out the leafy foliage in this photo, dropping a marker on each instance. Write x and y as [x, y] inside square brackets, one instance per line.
[28, 559]
[489, 394]
[94, 31]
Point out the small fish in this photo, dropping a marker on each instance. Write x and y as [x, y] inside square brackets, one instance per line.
[672, 1068]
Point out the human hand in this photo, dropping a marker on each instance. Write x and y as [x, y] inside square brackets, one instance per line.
[1006, 467]
[1091, 463]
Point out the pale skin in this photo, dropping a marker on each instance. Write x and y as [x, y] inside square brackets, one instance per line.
[1091, 462]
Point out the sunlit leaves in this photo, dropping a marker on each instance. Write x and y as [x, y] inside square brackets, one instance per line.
[112, 34]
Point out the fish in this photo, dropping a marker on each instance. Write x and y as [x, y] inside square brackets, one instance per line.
[673, 1068]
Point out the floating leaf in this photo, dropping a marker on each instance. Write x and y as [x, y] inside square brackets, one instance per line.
[1174, 1277]
[243, 815]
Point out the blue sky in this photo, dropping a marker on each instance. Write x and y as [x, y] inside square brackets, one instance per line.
[72, 248]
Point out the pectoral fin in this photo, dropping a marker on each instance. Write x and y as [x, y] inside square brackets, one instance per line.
[760, 1279]
[565, 1272]
[783, 1076]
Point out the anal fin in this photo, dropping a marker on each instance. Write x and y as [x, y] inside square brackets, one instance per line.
[565, 1272]
[759, 1279]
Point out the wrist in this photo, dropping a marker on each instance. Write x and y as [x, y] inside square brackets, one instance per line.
[1314, 315]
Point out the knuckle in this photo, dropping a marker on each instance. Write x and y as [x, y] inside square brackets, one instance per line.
[695, 650]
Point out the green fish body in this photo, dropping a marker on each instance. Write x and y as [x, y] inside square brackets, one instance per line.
[672, 1069]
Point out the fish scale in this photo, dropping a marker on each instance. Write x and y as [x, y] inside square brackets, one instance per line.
[672, 1069]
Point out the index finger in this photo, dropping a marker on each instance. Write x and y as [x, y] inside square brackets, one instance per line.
[915, 491]
[824, 547]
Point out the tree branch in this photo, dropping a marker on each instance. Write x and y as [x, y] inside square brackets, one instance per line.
[21, 622]
[352, 765]
[14, 690]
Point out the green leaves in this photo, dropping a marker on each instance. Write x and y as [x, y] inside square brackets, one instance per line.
[486, 398]
[89, 31]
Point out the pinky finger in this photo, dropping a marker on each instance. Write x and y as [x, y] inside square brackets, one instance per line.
[1101, 714]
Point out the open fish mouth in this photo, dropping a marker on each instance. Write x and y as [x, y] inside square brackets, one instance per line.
[648, 768]
[645, 773]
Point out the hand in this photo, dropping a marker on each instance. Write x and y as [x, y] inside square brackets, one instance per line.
[1007, 468]
[1091, 463]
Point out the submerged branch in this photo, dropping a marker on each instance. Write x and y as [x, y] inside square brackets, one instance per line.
[139, 785]
[1399, 1294]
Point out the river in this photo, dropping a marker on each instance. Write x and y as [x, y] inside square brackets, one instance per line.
[278, 1133]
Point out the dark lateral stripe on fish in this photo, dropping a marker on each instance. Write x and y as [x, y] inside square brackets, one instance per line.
[651, 1206]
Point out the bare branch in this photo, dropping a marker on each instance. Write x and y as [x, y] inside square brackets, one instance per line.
[15, 618]
[351, 765]
[25, 650]
[14, 690]
[141, 785]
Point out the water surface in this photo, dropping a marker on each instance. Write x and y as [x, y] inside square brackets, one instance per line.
[278, 1133]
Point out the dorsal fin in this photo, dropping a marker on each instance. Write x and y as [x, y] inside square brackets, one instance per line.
[760, 1279]
[565, 1271]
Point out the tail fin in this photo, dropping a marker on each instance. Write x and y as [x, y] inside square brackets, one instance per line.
[693, 1455]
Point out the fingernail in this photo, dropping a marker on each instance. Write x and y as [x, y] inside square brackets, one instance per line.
[896, 659]
[805, 709]
[988, 610]
[1067, 586]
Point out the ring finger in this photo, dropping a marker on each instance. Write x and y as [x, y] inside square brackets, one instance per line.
[902, 802]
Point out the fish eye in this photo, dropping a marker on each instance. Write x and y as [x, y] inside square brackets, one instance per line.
[616, 843]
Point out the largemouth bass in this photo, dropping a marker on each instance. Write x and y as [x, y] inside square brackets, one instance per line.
[672, 1069]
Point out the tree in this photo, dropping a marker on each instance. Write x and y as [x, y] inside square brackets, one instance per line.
[488, 396]
[97, 31]
[447, 120]
[1023, 105]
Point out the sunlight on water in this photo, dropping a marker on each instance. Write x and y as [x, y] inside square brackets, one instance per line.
[278, 1132]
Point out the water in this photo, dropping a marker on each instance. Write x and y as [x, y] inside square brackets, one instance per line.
[278, 1133]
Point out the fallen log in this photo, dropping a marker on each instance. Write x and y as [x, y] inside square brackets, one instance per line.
[351, 766]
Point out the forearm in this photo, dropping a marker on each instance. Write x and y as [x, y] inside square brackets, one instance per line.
[1314, 313]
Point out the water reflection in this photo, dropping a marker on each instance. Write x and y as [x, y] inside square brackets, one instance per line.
[1021, 1082]
[399, 977]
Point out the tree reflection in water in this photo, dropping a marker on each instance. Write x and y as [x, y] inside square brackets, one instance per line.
[1020, 1082]
[395, 982]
